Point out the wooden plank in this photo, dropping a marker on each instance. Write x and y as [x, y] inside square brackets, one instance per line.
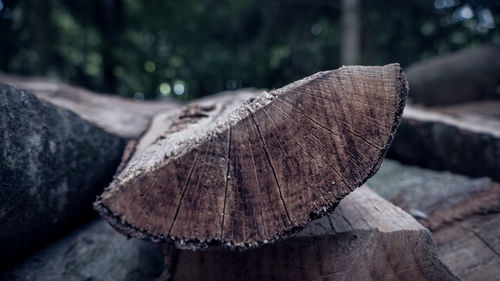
[365, 238]
[239, 175]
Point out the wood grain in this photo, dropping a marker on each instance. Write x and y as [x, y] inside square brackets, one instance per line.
[241, 175]
[365, 238]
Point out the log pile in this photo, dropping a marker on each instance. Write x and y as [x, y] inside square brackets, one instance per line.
[251, 185]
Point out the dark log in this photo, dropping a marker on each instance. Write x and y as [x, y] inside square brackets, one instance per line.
[462, 213]
[120, 116]
[240, 176]
[52, 165]
[93, 252]
[467, 75]
[457, 139]
[366, 238]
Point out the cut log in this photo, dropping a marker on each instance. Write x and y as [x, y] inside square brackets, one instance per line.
[453, 139]
[467, 75]
[366, 238]
[462, 213]
[52, 166]
[240, 176]
[120, 116]
[93, 252]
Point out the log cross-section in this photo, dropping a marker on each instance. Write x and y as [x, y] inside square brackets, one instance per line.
[220, 171]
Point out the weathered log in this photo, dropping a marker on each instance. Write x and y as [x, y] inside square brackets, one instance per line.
[365, 238]
[52, 165]
[93, 252]
[242, 176]
[467, 75]
[462, 213]
[120, 116]
[453, 139]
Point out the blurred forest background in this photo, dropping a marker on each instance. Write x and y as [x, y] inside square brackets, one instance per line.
[191, 48]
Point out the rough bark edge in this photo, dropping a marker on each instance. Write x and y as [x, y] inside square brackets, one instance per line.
[403, 90]
[129, 230]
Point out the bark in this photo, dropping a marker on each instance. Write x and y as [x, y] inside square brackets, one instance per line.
[365, 238]
[93, 252]
[120, 116]
[217, 172]
[457, 139]
[462, 213]
[52, 165]
[468, 75]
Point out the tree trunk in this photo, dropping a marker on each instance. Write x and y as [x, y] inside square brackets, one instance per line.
[457, 139]
[218, 172]
[351, 32]
[43, 34]
[365, 238]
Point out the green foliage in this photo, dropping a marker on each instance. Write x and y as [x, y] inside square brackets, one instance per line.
[194, 47]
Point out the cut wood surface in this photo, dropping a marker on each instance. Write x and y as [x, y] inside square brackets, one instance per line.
[464, 76]
[52, 166]
[219, 172]
[365, 238]
[464, 139]
[121, 116]
[462, 213]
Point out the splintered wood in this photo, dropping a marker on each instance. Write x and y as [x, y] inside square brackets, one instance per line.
[223, 172]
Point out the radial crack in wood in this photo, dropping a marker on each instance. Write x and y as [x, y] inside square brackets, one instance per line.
[221, 171]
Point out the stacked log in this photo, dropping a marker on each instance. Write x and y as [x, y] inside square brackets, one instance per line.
[52, 165]
[251, 185]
